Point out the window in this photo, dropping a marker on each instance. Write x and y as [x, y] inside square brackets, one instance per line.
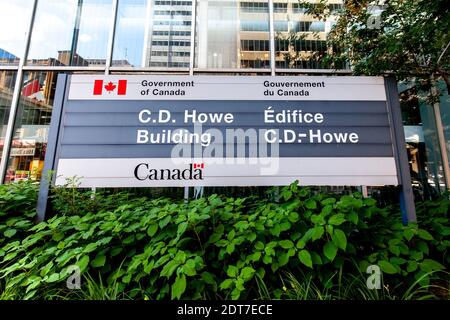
[280, 7]
[70, 33]
[29, 143]
[7, 81]
[14, 21]
[227, 30]
[253, 7]
[143, 25]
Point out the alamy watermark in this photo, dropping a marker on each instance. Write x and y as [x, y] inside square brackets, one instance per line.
[375, 11]
[374, 280]
[73, 282]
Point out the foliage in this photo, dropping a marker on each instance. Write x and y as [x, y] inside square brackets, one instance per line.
[129, 247]
[408, 38]
[17, 208]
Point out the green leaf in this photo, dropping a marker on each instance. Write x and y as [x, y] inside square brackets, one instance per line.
[429, 265]
[231, 235]
[208, 278]
[232, 271]
[316, 259]
[337, 219]
[116, 251]
[53, 278]
[387, 267]
[182, 228]
[283, 259]
[317, 219]
[412, 266]
[151, 231]
[326, 210]
[164, 222]
[286, 244]
[293, 217]
[83, 262]
[247, 273]
[408, 234]
[226, 284]
[169, 268]
[310, 204]
[328, 201]
[339, 239]
[425, 235]
[10, 233]
[330, 250]
[394, 249]
[353, 217]
[189, 268]
[230, 248]
[287, 194]
[255, 256]
[251, 236]
[300, 244]
[422, 278]
[99, 261]
[58, 236]
[259, 245]
[423, 247]
[317, 233]
[267, 259]
[179, 286]
[305, 258]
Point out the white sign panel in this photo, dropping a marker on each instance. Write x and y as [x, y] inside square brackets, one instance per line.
[162, 131]
[161, 87]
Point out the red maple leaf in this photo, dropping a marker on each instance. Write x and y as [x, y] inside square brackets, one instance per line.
[110, 87]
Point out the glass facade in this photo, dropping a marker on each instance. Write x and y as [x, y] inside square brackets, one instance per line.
[7, 81]
[70, 33]
[421, 133]
[300, 40]
[14, 21]
[232, 37]
[445, 113]
[153, 33]
[232, 34]
[26, 158]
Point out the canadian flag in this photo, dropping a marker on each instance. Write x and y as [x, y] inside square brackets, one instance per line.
[110, 87]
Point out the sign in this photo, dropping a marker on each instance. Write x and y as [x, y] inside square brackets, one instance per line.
[178, 131]
[17, 152]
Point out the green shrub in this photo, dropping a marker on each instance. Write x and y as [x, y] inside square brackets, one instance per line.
[17, 210]
[219, 247]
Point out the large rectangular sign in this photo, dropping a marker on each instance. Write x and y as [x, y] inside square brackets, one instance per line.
[148, 131]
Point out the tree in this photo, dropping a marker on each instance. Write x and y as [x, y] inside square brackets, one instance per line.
[409, 38]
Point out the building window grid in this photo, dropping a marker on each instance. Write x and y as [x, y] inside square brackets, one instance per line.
[251, 7]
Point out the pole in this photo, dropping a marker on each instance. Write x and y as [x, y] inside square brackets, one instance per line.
[76, 32]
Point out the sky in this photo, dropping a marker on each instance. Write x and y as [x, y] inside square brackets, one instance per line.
[53, 28]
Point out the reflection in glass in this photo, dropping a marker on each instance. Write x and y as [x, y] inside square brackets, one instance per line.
[14, 20]
[70, 33]
[422, 143]
[153, 33]
[7, 81]
[29, 143]
[445, 113]
[301, 43]
[232, 34]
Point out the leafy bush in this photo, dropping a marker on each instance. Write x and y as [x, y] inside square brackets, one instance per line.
[220, 247]
[17, 210]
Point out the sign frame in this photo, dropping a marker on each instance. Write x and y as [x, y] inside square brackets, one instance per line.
[396, 131]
